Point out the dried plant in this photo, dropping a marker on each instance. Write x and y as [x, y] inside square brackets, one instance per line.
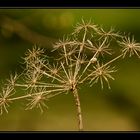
[43, 80]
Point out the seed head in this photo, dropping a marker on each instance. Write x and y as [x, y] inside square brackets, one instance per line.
[5, 95]
[85, 26]
[109, 34]
[101, 73]
[37, 100]
[130, 47]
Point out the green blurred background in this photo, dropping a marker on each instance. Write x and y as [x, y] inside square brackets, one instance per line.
[115, 109]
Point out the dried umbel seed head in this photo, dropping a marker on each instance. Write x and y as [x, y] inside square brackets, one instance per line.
[81, 60]
[111, 34]
[5, 98]
[101, 73]
[37, 100]
[85, 26]
[130, 47]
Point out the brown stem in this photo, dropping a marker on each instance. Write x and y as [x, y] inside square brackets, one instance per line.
[24, 32]
[79, 113]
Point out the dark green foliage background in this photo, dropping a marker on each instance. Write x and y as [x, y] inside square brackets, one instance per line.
[115, 109]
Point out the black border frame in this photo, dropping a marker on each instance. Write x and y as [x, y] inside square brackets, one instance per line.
[69, 4]
[60, 4]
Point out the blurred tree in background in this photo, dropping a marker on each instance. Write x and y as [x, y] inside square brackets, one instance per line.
[115, 109]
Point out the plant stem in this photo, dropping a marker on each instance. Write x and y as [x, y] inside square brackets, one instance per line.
[79, 113]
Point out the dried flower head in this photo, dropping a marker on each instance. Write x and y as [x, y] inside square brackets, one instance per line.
[109, 34]
[34, 53]
[100, 50]
[78, 63]
[130, 46]
[85, 26]
[37, 100]
[5, 95]
[101, 73]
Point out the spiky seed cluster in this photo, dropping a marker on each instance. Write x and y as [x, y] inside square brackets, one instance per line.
[5, 98]
[101, 73]
[37, 100]
[73, 67]
[130, 47]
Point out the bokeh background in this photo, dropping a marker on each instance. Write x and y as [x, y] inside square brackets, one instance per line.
[117, 109]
